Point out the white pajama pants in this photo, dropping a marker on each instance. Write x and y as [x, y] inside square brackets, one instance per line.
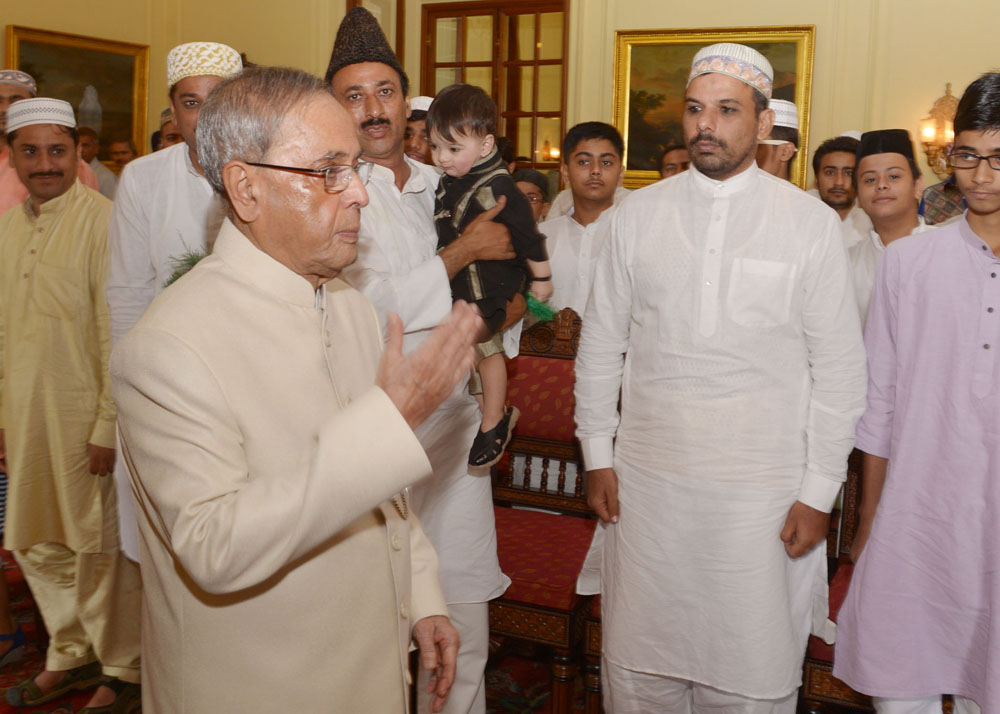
[925, 705]
[468, 694]
[629, 692]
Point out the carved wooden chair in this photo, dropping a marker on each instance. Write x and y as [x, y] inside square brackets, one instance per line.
[592, 658]
[820, 689]
[543, 552]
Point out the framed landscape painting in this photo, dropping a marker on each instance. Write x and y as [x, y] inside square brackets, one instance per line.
[651, 71]
[104, 80]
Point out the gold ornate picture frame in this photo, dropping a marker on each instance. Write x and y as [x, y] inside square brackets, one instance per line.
[106, 81]
[651, 71]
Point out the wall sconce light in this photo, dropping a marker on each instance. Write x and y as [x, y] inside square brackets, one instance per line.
[937, 133]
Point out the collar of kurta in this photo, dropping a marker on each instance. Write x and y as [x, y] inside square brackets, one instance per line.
[877, 239]
[54, 205]
[188, 163]
[728, 187]
[414, 184]
[260, 269]
[977, 244]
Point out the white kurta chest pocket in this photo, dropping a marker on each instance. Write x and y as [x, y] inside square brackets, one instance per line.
[760, 292]
[56, 291]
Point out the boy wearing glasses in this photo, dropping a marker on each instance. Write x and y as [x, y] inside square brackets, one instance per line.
[461, 124]
[922, 616]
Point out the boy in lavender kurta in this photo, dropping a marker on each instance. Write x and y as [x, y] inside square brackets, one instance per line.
[922, 616]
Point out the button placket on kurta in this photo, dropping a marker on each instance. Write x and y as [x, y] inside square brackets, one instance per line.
[985, 366]
[711, 270]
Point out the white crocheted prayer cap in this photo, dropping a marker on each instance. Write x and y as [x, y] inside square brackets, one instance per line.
[196, 59]
[39, 110]
[420, 104]
[744, 63]
[17, 78]
[785, 113]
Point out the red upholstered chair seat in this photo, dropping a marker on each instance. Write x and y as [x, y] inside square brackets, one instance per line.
[818, 649]
[542, 389]
[542, 554]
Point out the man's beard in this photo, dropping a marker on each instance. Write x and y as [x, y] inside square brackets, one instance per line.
[838, 203]
[719, 165]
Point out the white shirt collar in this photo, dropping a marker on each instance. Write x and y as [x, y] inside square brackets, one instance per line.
[728, 187]
[422, 176]
[876, 239]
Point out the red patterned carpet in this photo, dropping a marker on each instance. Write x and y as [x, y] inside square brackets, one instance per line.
[22, 609]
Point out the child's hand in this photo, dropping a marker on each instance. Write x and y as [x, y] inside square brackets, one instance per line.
[541, 290]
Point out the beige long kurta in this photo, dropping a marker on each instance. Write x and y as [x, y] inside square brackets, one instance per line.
[55, 396]
[278, 573]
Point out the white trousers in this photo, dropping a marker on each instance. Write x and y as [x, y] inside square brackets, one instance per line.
[926, 705]
[468, 693]
[630, 692]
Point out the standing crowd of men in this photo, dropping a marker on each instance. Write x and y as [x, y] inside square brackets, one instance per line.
[286, 505]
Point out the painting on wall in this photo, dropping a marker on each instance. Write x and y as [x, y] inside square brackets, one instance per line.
[651, 71]
[104, 80]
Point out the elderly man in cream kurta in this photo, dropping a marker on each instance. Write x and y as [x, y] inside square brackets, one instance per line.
[731, 333]
[270, 450]
[57, 417]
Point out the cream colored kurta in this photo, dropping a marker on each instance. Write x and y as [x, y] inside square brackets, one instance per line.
[723, 311]
[277, 573]
[55, 396]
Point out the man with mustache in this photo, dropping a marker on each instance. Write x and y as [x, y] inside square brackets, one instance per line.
[721, 313]
[14, 86]
[57, 418]
[400, 270]
[889, 187]
[833, 165]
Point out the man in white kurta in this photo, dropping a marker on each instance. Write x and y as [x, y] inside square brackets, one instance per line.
[400, 271]
[889, 187]
[283, 567]
[592, 166]
[57, 417]
[833, 165]
[722, 311]
[164, 210]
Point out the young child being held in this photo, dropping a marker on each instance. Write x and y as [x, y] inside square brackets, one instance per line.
[461, 124]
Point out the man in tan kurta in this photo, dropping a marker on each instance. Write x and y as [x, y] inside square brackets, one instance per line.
[57, 417]
[270, 448]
